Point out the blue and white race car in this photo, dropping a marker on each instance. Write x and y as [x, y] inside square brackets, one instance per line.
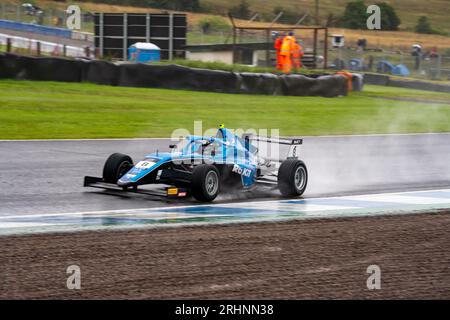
[205, 166]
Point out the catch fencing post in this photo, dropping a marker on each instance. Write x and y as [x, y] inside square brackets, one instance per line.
[325, 49]
[64, 50]
[49, 16]
[439, 64]
[87, 51]
[147, 28]
[101, 36]
[125, 36]
[315, 48]
[38, 48]
[268, 48]
[8, 45]
[171, 36]
[18, 13]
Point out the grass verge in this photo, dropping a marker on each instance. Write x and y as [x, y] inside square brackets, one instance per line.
[50, 110]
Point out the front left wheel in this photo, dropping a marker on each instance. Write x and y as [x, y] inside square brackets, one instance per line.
[116, 166]
[205, 183]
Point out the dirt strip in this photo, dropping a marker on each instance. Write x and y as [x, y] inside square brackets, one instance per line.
[325, 258]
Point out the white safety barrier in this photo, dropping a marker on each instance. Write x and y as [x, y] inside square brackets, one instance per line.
[46, 47]
[83, 36]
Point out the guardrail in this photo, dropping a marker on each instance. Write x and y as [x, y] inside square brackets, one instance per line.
[43, 46]
[35, 28]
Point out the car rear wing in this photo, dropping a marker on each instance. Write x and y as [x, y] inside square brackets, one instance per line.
[287, 141]
[293, 143]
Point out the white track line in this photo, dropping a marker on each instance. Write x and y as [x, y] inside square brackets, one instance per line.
[364, 197]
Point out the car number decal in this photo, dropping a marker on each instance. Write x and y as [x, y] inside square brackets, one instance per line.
[143, 165]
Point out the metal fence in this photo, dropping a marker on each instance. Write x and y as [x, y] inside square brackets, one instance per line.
[20, 45]
[196, 36]
[45, 17]
[425, 66]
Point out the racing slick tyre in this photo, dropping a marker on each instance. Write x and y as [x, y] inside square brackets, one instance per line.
[205, 183]
[292, 178]
[116, 166]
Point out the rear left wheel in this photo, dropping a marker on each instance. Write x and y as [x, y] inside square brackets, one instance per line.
[292, 178]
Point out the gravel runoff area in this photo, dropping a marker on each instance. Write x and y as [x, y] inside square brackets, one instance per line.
[322, 258]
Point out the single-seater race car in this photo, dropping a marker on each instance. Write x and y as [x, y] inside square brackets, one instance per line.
[205, 166]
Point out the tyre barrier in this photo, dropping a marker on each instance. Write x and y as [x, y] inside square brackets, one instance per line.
[385, 80]
[11, 66]
[168, 77]
[377, 79]
[419, 85]
[325, 86]
[177, 77]
[260, 83]
[357, 82]
[101, 72]
[40, 68]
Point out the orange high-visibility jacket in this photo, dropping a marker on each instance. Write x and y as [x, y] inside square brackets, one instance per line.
[297, 53]
[349, 77]
[277, 47]
[287, 46]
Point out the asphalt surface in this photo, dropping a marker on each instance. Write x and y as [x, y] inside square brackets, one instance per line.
[47, 176]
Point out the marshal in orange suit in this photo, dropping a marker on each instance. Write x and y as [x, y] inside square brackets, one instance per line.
[287, 47]
[277, 46]
[297, 55]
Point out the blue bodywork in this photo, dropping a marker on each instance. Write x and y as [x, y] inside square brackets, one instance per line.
[224, 148]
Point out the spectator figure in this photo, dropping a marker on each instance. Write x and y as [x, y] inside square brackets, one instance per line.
[361, 43]
[417, 53]
[433, 53]
[370, 64]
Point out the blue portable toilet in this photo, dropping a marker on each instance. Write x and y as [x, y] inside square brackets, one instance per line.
[144, 52]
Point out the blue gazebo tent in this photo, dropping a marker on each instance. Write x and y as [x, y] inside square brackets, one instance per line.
[401, 70]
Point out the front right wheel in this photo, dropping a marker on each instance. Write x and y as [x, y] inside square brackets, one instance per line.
[292, 178]
[205, 183]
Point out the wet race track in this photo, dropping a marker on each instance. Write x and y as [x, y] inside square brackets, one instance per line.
[41, 184]
[371, 200]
